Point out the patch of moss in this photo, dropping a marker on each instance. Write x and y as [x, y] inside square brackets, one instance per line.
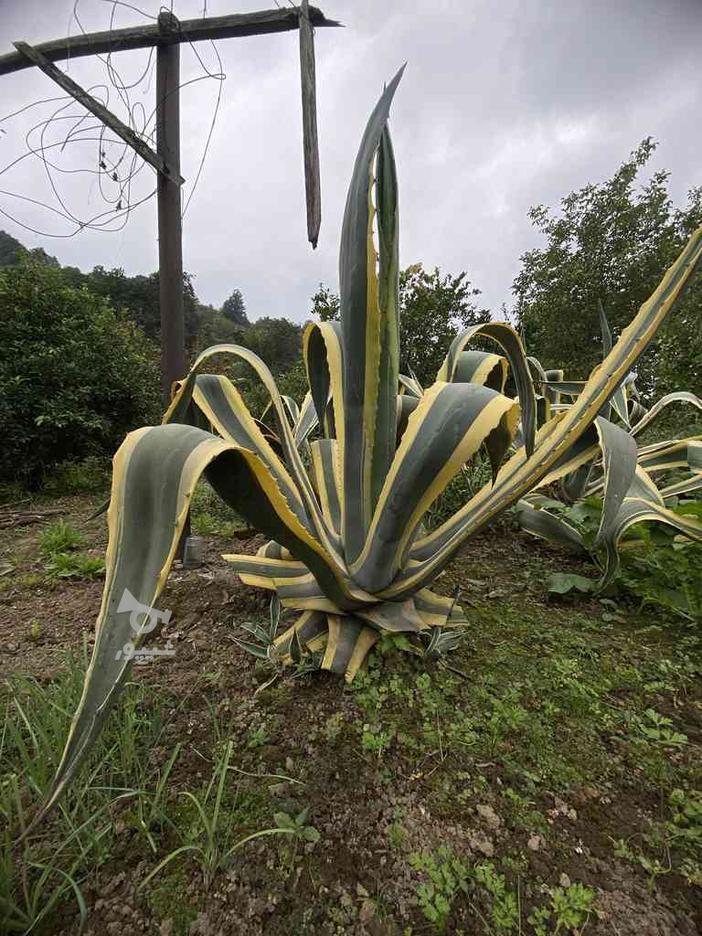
[167, 896]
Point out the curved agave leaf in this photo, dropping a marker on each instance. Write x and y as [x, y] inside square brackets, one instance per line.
[215, 398]
[680, 488]
[619, 467]
[410, 386]
[448, 426]
[307, 421]
[522, 472]
[548, 526]
[188, 391]
[368, 295]
[155, 472]
[680, 396]
[675, 454]
[643, 502]
[573, 486]
[618, 451]
[323, 355]
[510, 342]
[618, 398]
[664, 456]
[481, 367]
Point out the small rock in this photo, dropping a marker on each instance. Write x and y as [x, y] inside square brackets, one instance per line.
[489, 815]
[564, 880]
[166, 927]
[586, 793]
[289, 764]
[534, 843]
[482, 844]
[361, 891]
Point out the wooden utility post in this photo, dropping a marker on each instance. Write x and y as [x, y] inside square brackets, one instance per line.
[170, 233]
[166, 36]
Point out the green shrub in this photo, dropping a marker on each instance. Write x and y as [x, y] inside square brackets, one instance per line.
[74, 375]
[91, 475]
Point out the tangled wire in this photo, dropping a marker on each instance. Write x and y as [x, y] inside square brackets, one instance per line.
[115, 170]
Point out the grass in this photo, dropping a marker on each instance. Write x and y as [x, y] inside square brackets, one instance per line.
[123, 787]
[58, 546]
[211, 838]
[50, 866]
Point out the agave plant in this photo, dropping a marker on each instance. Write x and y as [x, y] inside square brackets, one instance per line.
[622, 473]
[347, 550]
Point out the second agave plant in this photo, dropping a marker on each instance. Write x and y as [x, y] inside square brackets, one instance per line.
[343, 510]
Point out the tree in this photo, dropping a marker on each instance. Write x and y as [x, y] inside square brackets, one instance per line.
[12, 252]
[215, 328]
[235, 309]
[434, 307]
[75, 375]
[611, 242]
[276, 340]
[139, 297]
[325, 304]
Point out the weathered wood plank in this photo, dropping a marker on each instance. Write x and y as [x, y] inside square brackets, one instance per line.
[310, 142]
[170, 232]
[194, 30]
[98, 109]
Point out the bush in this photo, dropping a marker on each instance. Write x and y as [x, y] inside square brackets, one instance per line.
[74, 375]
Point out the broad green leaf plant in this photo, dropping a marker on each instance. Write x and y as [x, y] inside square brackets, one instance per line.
[347, 548]
[621, 473]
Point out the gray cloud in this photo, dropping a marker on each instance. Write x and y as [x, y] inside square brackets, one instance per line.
[502, 106]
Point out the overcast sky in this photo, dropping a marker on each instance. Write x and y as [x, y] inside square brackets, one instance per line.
[503, 105]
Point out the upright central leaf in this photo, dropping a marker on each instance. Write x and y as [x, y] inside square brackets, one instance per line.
[368, 283]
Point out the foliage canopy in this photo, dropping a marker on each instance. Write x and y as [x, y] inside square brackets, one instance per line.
[75, 376]
[611, 242]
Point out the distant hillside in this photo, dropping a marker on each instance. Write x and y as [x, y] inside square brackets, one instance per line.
[12, 251]
[277, 341]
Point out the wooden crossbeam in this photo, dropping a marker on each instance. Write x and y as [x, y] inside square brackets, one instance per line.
[140, 37]
[35, 57]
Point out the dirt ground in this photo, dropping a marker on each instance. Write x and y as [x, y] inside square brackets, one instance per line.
[523, 788]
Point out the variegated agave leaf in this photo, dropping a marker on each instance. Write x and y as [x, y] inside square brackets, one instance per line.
[347, 550]
[629, 496]
[590, 471]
